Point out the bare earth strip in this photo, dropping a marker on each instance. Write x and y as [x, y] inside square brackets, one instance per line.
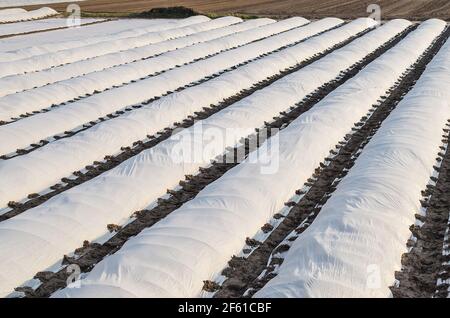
[410, 9]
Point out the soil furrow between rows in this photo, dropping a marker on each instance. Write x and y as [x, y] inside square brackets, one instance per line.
[428, 260]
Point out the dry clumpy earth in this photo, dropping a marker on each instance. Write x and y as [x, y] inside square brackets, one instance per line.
[410, 9]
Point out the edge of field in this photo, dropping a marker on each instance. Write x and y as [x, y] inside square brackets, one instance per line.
[110, 9]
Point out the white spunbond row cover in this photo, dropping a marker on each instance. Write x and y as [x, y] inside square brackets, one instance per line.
[13, 49]
[80, 150]
[215, 41]
[45, 61]
[75, 114]
[60, 158]
[192, 35]
[195, 242]
[62, 223]
[26, 45]
[354, 246]
[47, 25]
[154, 117]
[27, 15]
[14, 3]
[11, 11]
[43, 97]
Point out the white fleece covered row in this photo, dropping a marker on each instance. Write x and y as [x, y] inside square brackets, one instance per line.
[23, 132]
[36, 44]
[194, 243]
[6, 12]
[16, 16]
[43, 97]
[63, 222]
[46, 166]
[45, 61]
[141, 180]
[48, 25]
[194, 34]
[354, 246]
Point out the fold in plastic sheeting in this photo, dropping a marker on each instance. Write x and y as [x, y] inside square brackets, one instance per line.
[354, 246]
[37, 238]
[187, 36]
[72, 115]
[17, 15]
[46, 166]
[195, 242]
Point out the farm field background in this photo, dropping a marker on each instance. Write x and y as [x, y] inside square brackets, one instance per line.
[409, 9]
[223, 157]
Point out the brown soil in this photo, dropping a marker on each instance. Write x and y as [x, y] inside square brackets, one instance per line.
[411, 9]
[424, 264]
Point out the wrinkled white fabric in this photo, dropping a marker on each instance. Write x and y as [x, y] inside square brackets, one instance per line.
[61, 224]
[186, 36]
[194, 243]
[47, 25]
[45, 61]
[72, 115]
[46, 166]
[25, 46]
[17, 15]
[63, 91]
[6, 12]
[354, 246]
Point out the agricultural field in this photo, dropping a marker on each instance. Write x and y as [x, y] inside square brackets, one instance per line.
[346, 9]
[224, 157]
